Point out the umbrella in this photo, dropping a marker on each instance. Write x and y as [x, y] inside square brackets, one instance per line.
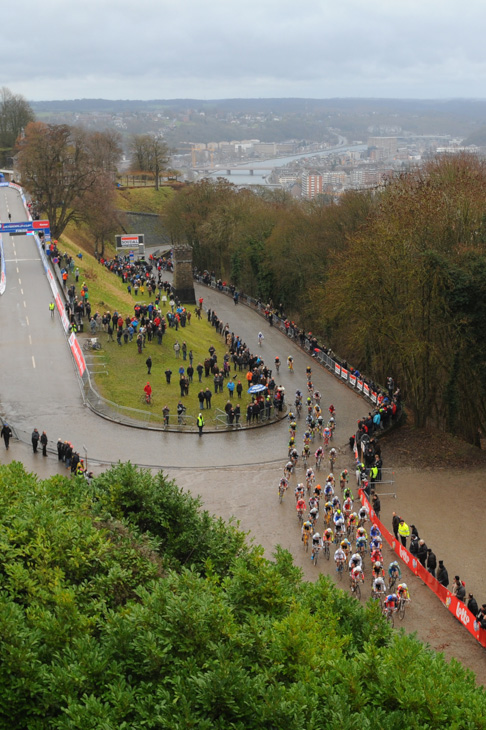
[257, 388]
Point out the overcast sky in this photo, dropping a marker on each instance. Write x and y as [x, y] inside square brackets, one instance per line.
[161, 49]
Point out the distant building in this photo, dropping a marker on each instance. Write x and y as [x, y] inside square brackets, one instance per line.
[387, 146]
[311, 184]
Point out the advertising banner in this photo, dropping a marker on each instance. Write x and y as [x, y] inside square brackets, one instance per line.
[337, 368]
[352, 380]
[366, 390]
[77, 354]
[373, 396]
[359, 384]
[344, 373]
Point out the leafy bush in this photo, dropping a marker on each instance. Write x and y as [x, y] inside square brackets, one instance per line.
[107, 623]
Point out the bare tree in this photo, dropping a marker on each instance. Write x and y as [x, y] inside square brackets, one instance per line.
[59, 166]
[149, 154]
[15, 115]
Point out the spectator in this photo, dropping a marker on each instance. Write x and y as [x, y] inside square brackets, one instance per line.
[414, 545]
[458, 588]
[481, 617]
[422, 552]
[404, 532]
[431, 562]
[472, 605]
[442, 574]
[395, 524]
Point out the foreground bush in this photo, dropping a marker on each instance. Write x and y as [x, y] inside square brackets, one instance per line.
[122, 605]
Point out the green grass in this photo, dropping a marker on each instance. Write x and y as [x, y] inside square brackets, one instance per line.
[146, 200]
[126, 369]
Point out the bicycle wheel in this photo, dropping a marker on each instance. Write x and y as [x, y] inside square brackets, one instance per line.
[280, 495]
[316, 554]
[96, 346]
[401, 610]
[357, 591]
[327, 551]
[306, 543]
[392, 582]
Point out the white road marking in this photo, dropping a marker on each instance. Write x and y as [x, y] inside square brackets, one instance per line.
[33, 361]
[27, 321]
[25, 305]
[30, 339]
[20, 281]
[17, 269]
[22, 292]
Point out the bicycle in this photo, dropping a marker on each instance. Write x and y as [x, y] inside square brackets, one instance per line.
[340, 569]
[281, 492]
[377, 596]
[147, 399]
[298, 408]
[291, 365]
[306, 540]
[92, 344]
[315, 554]
[355, 588]
[318, 462]
[388, 614]
[401, 607]
[392, 580]
[327, 550]
[300, 516]
[277, 366]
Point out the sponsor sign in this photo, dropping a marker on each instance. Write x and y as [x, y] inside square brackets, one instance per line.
[359, 384]
[130, 241]
[366, 390]
[77, 354]
[337, 368]
[373, 396]
[344, 373]
[352, 380]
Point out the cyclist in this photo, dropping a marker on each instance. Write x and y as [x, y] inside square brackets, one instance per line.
[377, 571]
[328, 535]
[288, 468]
[148, 393]
[394, 572]
[308, 371]
[347, 494]
[331, 426]
[306, 453]
[403, 592]
[354, 561]
[330, 478]
[318, 456]
[298, 396]
[376, 543]
[356, 574]
[309, 478]
[343, 478]
[361, 532]
[338, 520]
[316, 544]
[290, 362]
[317, 491]
[379, 586]
[300, 507]
[361, 544]
[391, 602]
[362, 516]
[336, 504]
[310, 387]
[51, 309]
[352, 522]
[292, 429]
[299, 492]
[340, 558]
[314, 515]
[317, 397]
[313, 502]
[260, 338]
[320, 421]
[328, 492]
[277, 363]
[328, 512]
[332, 411]
[326, 435]
[307, 528]
[291, 444]
[293, 456]
[347, 507]
[307, 437]
[283, 484]
[375, 531]
[376, 557]
[346, 546]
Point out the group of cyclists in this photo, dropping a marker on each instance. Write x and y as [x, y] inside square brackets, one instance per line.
[327, 506]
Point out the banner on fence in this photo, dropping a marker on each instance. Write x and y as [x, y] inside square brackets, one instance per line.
[344, 373]
[373, 397]
[453, 604]
[77, 354]
[366, 390]
[359, 384]
[352, 380]
[337, 368]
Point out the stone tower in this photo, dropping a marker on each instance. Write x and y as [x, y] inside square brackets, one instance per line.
[183, 273]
